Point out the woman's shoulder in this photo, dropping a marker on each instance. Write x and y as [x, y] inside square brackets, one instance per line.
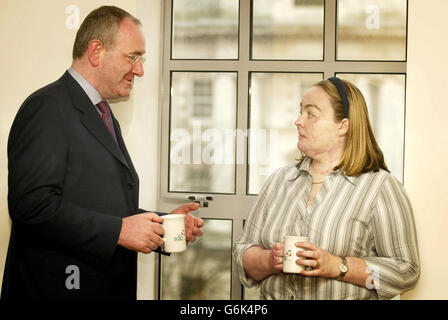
[381, 175]
[380, 181]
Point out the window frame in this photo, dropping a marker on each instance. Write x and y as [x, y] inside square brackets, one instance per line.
[236, 206]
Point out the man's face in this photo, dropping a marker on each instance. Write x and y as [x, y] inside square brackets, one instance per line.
[116, 69]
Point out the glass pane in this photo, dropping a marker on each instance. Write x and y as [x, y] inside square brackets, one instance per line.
[203, 271]
[202, 137]
[274, 107]
[385, 98]
[288, 29]
[371, 30]
[205, 29]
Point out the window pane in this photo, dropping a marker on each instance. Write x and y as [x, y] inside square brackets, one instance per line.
[203, 271]
[385, 98]
[274, 107]
[205, 29]
[287, 30]
[371, 30]
[203, 120]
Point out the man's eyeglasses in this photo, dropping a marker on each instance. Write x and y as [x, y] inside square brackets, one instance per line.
[133, 59]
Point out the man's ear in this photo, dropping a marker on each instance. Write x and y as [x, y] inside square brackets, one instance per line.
[343, 127]
[95, 51]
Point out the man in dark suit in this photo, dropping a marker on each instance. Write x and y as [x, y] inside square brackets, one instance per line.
[73, 191]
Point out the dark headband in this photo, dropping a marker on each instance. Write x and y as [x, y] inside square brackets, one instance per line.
[343, 93]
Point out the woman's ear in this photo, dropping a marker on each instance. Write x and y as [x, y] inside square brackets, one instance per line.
[343, 127]
[94, 52]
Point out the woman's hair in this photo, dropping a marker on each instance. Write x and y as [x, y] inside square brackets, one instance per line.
[101, 24]
[361, 153]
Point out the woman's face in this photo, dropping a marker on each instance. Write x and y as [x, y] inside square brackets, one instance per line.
[319, 133]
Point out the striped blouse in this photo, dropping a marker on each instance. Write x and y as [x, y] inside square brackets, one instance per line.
[368, 216]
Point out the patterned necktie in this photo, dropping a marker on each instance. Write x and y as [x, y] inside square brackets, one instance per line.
[107, 117]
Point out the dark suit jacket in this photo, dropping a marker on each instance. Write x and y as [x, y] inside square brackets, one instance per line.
[70, 185]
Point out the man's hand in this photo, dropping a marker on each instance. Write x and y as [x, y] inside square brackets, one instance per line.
[141, 232]
[192, 224]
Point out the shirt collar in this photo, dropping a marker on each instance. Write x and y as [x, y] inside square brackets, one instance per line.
[305, 167]
[350, 179]
[91, 92]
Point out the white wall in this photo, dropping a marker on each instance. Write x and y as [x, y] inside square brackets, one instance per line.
[36, 49]
[426, 149]
[143, 139]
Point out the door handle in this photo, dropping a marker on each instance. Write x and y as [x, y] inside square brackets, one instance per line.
[201, 199]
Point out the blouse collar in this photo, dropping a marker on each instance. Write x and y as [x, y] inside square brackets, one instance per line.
[305, 168]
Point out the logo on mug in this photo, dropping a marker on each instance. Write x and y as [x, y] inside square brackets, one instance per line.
[180, 237]
[287, 254]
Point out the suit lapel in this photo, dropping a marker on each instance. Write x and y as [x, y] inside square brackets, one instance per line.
[91, 119]
[95, 125]
[123, 148]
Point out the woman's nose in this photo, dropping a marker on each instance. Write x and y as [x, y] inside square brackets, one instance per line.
[299, 122]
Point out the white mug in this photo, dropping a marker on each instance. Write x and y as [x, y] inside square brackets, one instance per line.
[290, 253]
[174, 239]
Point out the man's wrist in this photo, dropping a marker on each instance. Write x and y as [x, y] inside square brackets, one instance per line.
[122, 231]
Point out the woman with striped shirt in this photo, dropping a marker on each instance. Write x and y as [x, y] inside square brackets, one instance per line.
[358, 218]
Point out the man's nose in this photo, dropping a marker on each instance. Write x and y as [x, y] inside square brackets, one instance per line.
[137, 69]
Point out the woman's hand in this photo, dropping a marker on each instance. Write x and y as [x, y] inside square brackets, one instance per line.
[259, 263]
[323, 263]
[276, 258]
